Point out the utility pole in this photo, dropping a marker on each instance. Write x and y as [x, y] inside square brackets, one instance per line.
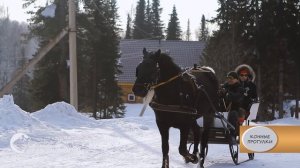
[72, 54]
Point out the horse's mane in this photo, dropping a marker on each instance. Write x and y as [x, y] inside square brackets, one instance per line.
[166, 61]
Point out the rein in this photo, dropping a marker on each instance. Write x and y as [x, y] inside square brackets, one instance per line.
[165, 82]
[169, 80]
[175, 77]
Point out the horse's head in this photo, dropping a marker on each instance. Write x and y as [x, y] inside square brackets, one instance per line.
[146, 73]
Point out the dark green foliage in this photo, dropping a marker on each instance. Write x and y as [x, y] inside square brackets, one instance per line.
[50, 76]
[188, 31]
[128, 34]
[147, 23]
[148, 19]
[203, 35]
[21, 93]
[157, 25]
[265, 35]
[103, 39]
[140, 26]
[174, 30]
[97, 57]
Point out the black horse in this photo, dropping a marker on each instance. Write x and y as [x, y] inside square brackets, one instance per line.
[176, 88]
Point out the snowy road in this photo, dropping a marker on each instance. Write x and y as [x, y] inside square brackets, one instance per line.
[59, 137]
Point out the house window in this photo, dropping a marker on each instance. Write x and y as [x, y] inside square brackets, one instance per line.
[131, 97]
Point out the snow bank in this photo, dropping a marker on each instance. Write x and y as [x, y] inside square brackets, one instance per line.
[44, 137]
[12, 117]
[60, 114]
[285, 121]
[63, 115]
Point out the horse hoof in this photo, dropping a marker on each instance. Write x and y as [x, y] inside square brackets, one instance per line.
[191, 158]
[201, 165]
[195, 161]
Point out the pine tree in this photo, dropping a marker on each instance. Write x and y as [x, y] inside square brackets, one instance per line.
[104, 55]
[235, 37]
[203, 35]
[188, 31]
[264, 35]
[128, 34]
[98, 42]
[174, 30]
[148, 19]
[140, 26]
[157, 24]
[50, 79]
[277, 40]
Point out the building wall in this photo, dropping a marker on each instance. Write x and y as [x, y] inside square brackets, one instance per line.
[127, 92]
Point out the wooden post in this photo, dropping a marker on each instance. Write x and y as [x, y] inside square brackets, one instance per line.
[72, 54]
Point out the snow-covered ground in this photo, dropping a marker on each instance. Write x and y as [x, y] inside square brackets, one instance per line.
[60, 137]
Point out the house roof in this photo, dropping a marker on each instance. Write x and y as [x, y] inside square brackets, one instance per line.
[184, 54]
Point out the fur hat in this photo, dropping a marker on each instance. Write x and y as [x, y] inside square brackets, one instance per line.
[251, 74]
[232, 74]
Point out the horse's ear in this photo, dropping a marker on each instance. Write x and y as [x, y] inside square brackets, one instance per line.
[145, 52]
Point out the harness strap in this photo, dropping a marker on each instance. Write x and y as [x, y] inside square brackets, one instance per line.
[174, 108]
[175, 77]
[163, 83]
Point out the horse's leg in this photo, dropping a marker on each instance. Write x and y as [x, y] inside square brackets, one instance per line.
[207, 121]
[184, 131]
[164, 133]
[196, 133]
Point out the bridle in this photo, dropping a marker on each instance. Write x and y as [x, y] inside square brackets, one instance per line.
[154, 84]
